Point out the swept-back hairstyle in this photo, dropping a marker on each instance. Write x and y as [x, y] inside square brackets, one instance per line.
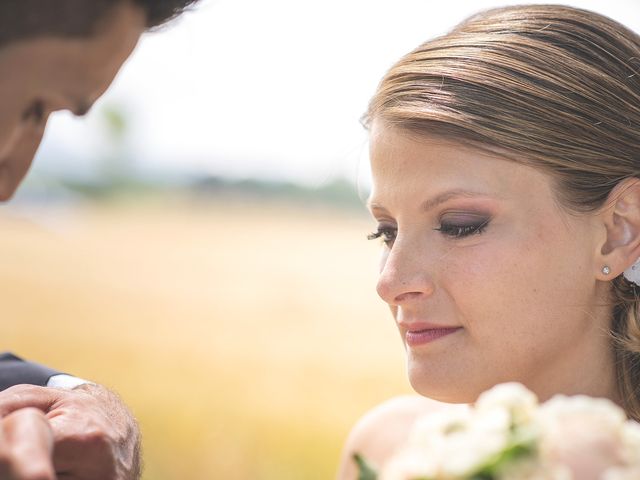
[23, 19]
[554, 87]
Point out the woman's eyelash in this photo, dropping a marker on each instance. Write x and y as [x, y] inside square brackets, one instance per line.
[458, 231]
[388, 234]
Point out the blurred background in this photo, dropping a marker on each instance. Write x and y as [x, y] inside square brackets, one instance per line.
[197, 242]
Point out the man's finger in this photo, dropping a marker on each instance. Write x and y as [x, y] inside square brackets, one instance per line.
[23, 396]
[26, 447]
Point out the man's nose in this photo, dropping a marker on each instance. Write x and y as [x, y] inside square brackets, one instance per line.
[15, 165]
[405, 275]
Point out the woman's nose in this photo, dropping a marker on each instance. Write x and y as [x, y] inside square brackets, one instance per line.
[404, 276]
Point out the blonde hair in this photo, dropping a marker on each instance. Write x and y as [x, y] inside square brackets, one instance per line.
[554, 87]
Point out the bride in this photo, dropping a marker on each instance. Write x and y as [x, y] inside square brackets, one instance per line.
[506, 163]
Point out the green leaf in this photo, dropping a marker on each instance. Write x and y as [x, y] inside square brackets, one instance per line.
[512, 454]
[367, 472]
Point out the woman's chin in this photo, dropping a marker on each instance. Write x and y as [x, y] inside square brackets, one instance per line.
[443, 393]
[448, 388]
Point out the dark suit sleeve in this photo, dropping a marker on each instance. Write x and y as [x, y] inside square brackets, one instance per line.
[15, 371]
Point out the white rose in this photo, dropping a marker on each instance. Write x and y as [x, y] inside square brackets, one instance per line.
[459, 440]
[408, 464]
[429, 428]
[583, 433]
[513, 397]
[631, 442]
[621, 473]
[484, 437]
[599, 410]
[465, 452]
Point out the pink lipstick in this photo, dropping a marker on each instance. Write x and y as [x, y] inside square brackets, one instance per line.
[415, 338]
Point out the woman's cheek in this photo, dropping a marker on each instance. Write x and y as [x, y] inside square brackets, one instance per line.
[477, 266]
[484, 283]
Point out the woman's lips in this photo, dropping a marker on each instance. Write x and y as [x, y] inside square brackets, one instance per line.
[415, 338]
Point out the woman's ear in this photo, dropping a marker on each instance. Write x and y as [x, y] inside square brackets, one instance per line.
[620, 215]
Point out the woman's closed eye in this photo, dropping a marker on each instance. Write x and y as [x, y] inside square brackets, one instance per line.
[462, 228]
[454, 228]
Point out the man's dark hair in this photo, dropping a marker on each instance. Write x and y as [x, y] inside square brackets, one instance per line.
[23, 19]
[162, 11]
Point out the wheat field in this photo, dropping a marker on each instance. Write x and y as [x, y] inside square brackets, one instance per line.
[246, 338]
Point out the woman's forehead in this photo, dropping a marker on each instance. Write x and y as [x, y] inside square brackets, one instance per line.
[435, 166]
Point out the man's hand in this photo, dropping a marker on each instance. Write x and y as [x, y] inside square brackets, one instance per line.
[26, 445]
[95, 437]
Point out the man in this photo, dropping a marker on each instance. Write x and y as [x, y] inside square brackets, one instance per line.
[57, 55]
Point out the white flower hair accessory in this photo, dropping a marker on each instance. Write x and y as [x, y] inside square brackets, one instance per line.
[633, 273]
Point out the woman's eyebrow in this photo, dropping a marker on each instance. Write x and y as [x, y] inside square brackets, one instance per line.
[448, 195]
[437, 200]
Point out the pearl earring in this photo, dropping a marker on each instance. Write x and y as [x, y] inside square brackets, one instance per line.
[606, 270]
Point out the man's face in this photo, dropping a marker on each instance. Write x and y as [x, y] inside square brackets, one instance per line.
[41, 75]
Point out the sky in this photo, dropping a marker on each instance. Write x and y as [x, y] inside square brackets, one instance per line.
[255, 89]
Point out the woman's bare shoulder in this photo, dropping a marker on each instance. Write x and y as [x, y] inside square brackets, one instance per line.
[382, 430]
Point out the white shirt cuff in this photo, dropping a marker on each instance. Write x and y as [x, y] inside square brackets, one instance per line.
[65, 381]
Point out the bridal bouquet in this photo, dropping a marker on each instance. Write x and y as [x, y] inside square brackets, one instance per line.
[507, 435]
